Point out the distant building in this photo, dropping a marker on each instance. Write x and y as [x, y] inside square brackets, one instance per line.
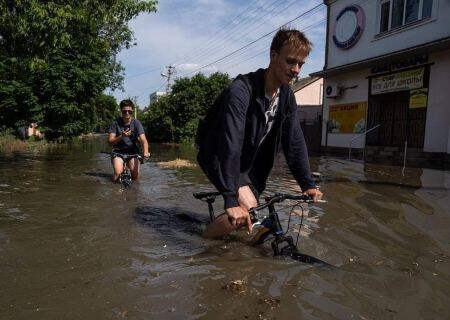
[155, 95]
[386, 70]
[308, 95]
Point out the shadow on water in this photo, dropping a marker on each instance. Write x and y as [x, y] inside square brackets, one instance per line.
[103, 175]
[170, 221]
[178, 230]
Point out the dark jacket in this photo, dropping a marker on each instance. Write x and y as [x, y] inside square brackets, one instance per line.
[232, 147]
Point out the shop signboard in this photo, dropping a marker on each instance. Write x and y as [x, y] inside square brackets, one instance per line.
[347, 118]
[405, 80]
[418, 98]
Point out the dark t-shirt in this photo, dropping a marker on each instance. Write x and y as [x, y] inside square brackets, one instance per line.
[127, 144]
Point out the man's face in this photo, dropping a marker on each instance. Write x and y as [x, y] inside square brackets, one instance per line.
[127, 112]
[287, 63]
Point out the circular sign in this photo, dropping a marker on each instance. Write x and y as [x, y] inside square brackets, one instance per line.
[348, 27]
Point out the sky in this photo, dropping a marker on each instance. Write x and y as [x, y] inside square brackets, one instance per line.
[230, 36]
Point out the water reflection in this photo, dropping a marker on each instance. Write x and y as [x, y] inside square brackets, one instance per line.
[74, 246]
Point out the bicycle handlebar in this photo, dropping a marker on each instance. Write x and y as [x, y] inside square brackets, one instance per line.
[126, 156]
[277, 198]
[280, 197]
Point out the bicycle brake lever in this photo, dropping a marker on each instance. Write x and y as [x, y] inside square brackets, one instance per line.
[317, 201]
[257, 223]
[253, 214]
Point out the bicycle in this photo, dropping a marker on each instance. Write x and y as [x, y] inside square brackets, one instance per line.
[282, 244]
[125, 176]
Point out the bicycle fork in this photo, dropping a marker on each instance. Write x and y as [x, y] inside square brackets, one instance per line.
[280, 237]
[125, 176]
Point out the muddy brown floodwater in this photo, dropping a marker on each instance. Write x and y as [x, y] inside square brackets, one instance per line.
[75, 246]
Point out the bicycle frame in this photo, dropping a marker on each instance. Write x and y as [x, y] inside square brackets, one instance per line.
[209, 198]
[282, 245]
[125, 176]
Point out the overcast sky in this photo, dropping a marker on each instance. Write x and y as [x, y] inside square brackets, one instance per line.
[230, 36]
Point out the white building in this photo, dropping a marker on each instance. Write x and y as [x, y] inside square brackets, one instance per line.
[155, 95]
[309, 95]
[387, 67]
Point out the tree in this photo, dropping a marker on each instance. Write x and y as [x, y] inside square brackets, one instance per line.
[107, 110]
[57, 57]
[175, 117]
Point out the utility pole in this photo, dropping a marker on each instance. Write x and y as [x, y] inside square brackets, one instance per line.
[135, 106]
[169, 73]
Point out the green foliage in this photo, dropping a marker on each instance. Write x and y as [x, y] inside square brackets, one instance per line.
[57, 57]
[107, 110]
[175, 117]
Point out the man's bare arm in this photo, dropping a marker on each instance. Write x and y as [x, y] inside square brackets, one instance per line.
[145, 145]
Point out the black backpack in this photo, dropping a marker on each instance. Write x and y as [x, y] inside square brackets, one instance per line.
[209, 120]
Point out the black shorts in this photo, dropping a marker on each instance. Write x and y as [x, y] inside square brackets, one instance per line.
[127, 151]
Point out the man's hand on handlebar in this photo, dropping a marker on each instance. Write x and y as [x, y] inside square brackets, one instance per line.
[315, 194]
[239, 217]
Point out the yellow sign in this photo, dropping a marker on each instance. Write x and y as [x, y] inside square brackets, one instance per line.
[406, 80]
[347, 118]
[418, 98]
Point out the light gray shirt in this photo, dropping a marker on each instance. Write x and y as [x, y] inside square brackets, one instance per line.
[270, 113]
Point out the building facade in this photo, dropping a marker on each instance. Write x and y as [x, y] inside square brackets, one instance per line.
[387, 88]
[309, 95]
[155, 95]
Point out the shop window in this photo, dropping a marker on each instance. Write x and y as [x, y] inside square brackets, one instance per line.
[397, 13]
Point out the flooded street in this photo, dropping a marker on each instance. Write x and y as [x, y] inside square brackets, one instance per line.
[73, 245]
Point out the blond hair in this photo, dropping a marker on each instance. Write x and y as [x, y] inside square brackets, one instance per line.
[295, 38]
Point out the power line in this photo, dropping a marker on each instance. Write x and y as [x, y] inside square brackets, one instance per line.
[243, 31]
[144, 72]
[254, 41]
[219, 42]
[222, 29]
[244, 53]
[255, 29]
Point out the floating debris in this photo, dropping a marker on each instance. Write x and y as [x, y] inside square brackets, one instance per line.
[236, 285]
[177, 163]
[272, 302]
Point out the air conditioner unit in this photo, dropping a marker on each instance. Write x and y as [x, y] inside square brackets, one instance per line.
[333, 91]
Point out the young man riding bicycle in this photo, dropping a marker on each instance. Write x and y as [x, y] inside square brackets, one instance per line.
[256, 117]
[123, 135]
